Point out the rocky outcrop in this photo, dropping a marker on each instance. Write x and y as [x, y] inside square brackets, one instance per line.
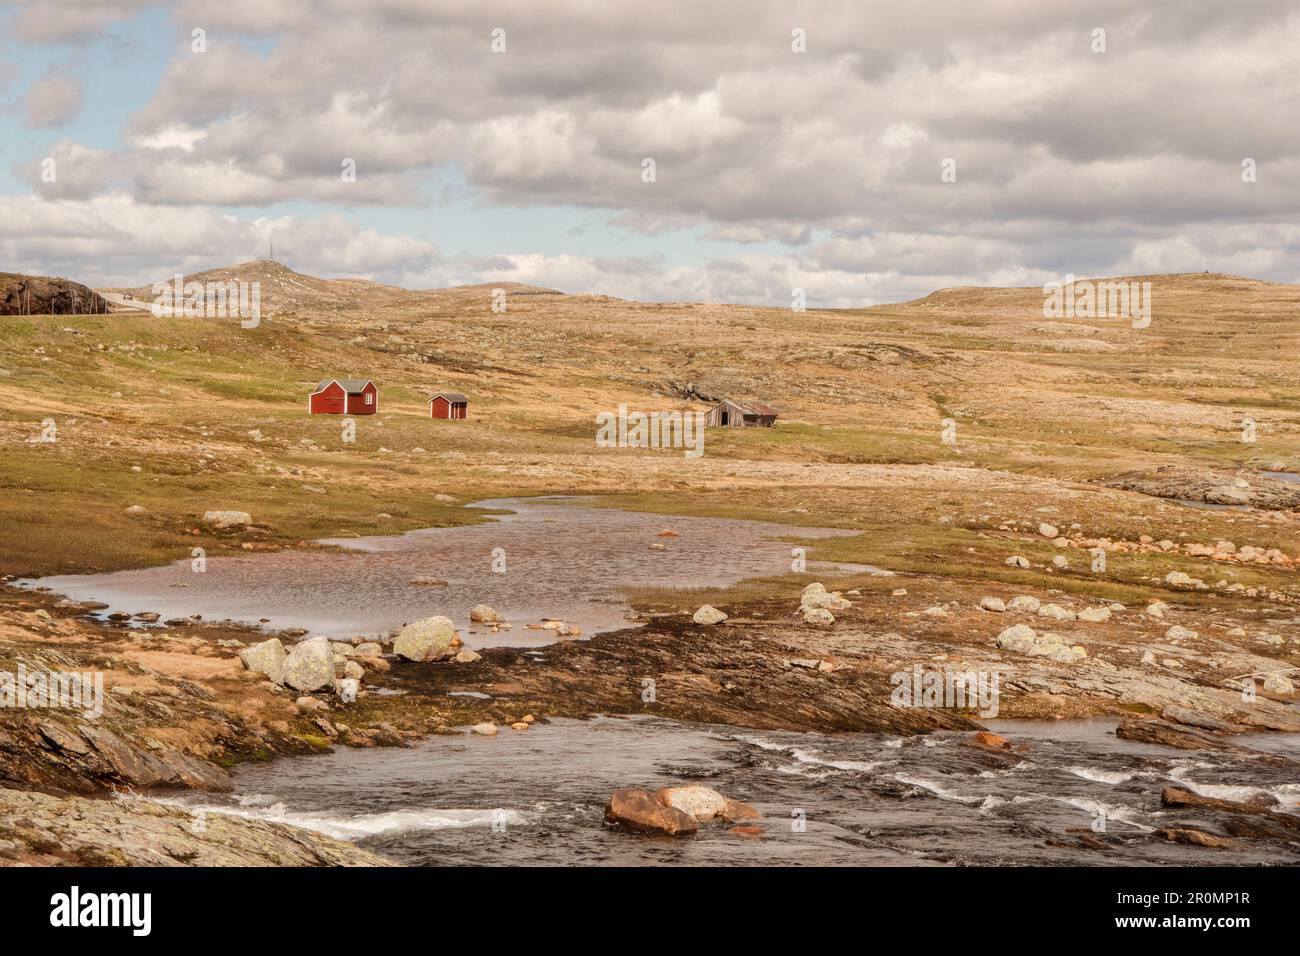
[42, 295]
[1210, 487]
[42, 830]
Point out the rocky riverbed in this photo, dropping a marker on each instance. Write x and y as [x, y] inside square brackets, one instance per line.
[181, 705]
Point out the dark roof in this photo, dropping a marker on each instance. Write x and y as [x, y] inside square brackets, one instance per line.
[352, 386]
[751, 408]
[453, 397]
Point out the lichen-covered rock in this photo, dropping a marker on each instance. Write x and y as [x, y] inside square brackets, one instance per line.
[702, 803]
[1024, 640]
[310, 665]
[432, 639]
[222, 520]
[266, 658]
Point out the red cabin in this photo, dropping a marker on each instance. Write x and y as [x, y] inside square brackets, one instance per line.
[344, 396]
[448, 405]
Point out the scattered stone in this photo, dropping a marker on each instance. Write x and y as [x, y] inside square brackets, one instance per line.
[1048, 530]
[223, 520]
[520, 725]
[482, 614]
[1196, 837]
[1017, 561]
[1056, 612]
[1180, 633]
[1024, 602]
[1094, 615]
[708, 614]
[1060, 561]
[486, 729]
[466, 656]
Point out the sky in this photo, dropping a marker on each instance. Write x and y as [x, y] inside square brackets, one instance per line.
[862, 152]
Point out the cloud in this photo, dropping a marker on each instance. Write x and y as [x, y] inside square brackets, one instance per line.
[114, 240]
[1067, 160]
[43, 22]
[53, 100]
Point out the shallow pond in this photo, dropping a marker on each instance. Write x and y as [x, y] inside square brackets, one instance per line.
[548, 558]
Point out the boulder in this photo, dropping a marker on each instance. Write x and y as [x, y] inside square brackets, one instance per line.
[1180, 633]
[266, 658]
[708, 614]
[222, 520]
[1024, 640]
[1018, 637]
[1023, 602]
[1017, 561]
[1048, 530]
[483, 614]
[369, 649]
[310, 665]
[701, 803]
[640, 812]
[1056, 612]
[993, 604]
[1094, 615]
[432, 639]
[486, 729]
[466, 656]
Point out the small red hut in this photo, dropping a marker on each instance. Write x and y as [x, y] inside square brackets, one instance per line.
[448, 405]
[344, 396]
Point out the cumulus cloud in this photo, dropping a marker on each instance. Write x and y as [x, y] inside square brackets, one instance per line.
[1066, 159]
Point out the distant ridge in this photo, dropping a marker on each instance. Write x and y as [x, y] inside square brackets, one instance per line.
[285, 291]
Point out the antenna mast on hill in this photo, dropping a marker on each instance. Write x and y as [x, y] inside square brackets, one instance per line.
[272, 254]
